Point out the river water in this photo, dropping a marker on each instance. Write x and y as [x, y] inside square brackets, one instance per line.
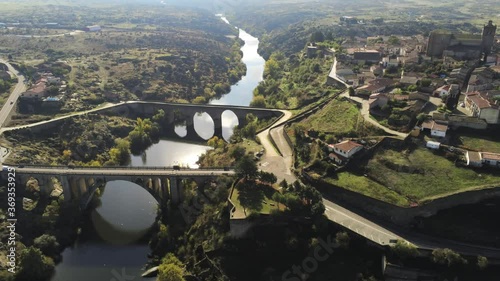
[110, 247]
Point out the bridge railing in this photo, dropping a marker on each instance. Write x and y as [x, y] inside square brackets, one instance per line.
[61, 167]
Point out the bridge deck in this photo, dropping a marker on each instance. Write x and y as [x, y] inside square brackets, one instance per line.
[122, 171]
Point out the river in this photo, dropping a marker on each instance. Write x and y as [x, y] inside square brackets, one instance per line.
[112, 246]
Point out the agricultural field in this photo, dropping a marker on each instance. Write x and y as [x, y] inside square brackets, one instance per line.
[411, 176]
[421, 175]
[478, 143]
[339, 118]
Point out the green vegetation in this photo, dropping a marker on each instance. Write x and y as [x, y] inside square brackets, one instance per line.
[145, 52]
[404, 250]
[478, 143]
[171, 269]
[447, 257]
[251, 197]
[47, 226]
[293, 82]
[420, 175]
[368, 187]
[246, 168]
[339, 118]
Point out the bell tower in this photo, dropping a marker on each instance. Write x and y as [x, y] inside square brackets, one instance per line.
[488, 37]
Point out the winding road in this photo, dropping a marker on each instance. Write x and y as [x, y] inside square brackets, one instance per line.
[10, 103]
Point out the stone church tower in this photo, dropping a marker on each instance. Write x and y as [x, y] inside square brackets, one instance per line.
[488, 38]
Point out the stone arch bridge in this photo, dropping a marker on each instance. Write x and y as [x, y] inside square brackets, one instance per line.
[175, 112]
[80, 183]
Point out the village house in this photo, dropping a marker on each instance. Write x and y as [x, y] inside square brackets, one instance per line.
[36, 92]
[378, 100]
[481, 79]
[437, 128]
[482, 106]
[343, 151]
[367, 56]
[442, 91]
[479, 159]
[390, 62]
[375, 86]
[408, 79]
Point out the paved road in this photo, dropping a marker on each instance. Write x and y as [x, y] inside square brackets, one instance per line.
[277, 160]
[11, 101]
[359, 224]
[121, 172]
[333, 73]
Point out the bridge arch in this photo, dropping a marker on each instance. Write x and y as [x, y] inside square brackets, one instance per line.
[229, 121]
[205, 125]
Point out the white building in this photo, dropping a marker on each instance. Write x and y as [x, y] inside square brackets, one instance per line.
[433, 144]
[437, 129]
[478, 159]
[346, 149]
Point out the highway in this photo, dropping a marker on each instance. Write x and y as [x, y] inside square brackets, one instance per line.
[11, 101]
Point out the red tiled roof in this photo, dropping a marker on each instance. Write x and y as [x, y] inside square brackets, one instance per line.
[478, 100]
[490, 156]
[433, 125]
[347, 145]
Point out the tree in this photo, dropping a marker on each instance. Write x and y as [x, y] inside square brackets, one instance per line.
[317, 36]
[34, 265]
[267, 177]
[404, 249]
[237, 151]
[482, 262]
[272, 69]
[342, 239]
[120, 154]
[351, 91]
[447, 257]
[47, 244]
[258, 101]
[171, 269]
[246, 168]
[421, 117]
[393, 40]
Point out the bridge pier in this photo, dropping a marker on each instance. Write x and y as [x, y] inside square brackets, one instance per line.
[66, 188]
[190, 130]
[218, 127]
[175, 190]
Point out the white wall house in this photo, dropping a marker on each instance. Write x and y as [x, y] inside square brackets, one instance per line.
[346, 148]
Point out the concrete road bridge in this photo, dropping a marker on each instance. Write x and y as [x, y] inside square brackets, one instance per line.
[80, 183]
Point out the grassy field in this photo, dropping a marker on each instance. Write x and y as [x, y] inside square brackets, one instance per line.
[481, 144]
[251, 197]
[368, 187]
[340, 118]
[420, 175]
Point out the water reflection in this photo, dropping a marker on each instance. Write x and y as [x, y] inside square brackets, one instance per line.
[181, 130]
[229, 121]
[119, 223]
[204, 125]
[99, 252]
[167, 153]
[242, 92]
